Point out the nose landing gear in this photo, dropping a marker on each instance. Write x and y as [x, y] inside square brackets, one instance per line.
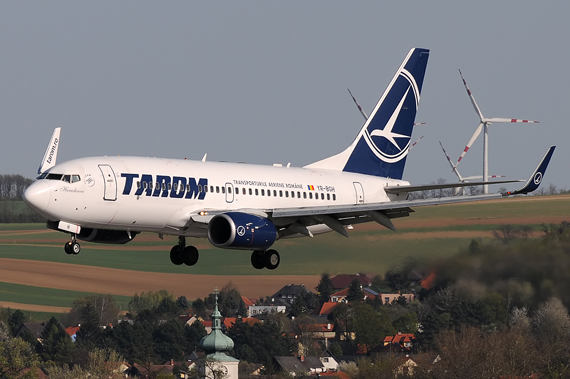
[72, 247]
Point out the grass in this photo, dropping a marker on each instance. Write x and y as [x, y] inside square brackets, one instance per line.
[23, 294]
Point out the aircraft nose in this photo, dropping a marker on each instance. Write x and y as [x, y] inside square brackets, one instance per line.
[37, 196]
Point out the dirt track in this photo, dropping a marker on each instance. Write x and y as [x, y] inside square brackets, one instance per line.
[127, 283]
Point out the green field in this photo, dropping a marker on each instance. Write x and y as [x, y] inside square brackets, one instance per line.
[428, 233]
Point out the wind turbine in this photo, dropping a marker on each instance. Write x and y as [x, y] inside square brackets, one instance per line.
[484, 125]
[461, 178]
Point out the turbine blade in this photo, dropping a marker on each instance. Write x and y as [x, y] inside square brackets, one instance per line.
[473, 138]
[472, 98]
[359, 107]
[453, 166]
[415, 143]
[497, 119]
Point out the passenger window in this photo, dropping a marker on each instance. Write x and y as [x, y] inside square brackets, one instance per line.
[298, 194]
[211, 188]
[145, 185]
[310, 195]
[256, 192]
[205, 189]
[175, 187]
[304, 195]
[199, 188]
[286, 193]
[328, 196]
[223, 189]
[275, 193]
[268, 192]
[292, 193]
[237, 191]
[243, 191]
[280, 193]
[262, 192]
[217, 189]
[169, 186]
[334, 197]
[322, 196]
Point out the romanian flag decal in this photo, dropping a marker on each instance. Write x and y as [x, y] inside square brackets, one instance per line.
[311, 188]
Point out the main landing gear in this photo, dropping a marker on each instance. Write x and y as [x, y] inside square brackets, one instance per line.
[268, 259]
[72, 247]
[183, 254]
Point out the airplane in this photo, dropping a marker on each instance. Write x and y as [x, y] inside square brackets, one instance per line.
[243, 206]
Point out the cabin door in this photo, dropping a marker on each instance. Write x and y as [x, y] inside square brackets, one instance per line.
[109, 182]
[359, 191]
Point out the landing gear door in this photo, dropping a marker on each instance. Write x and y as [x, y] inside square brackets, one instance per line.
[359, 191]
[110, 182]
[229, 193]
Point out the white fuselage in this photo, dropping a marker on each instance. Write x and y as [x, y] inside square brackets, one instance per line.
[121, 193]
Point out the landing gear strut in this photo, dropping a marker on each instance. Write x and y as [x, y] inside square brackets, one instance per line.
[181, 253]
[265, 259]
[72, 247]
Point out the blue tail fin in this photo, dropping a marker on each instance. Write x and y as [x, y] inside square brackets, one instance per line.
[381, 147]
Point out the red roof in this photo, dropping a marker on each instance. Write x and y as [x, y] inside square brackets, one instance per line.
[248, 302]
[343, 281]
[337, 374]
[230, 321]
[327, 308]
[207, 324]
[341, 293]
[72, 330]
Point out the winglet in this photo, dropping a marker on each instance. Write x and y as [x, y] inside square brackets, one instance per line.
[50, 155]
[537, 176]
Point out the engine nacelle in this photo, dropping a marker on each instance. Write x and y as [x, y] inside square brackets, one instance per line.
[236, 230]
[106, 236]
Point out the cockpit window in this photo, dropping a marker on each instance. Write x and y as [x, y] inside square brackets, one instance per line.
[51, 176]
[66, 178]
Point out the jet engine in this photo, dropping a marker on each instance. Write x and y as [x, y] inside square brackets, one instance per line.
[236, 230]
[106, 236]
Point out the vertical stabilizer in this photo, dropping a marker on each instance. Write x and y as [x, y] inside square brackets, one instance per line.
[381, 147]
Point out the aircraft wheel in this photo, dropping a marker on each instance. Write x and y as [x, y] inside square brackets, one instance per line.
[190, 255]
[175, 255]
[75, 248]
[67, 247]
[257, 259]
[272, 259]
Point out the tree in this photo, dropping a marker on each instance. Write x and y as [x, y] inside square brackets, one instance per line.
[355, 292]
[370, 327]
[56, 344]
[15, 321]
[104, 307]
[89, 334]
[101, 364]
[325, 288]
[199, 308]
[182, 302]
[16, 356]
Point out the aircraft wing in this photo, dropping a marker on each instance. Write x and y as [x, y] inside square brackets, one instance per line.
[337, 217]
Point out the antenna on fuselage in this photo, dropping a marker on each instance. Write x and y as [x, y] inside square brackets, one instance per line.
[204, 157]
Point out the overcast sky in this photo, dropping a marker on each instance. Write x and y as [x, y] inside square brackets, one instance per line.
[266, 82]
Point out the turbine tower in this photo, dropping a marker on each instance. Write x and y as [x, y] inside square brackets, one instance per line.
[484, 125]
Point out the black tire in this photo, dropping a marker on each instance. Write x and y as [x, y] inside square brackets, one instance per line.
[190, 255]
[67, 248]
[257, 259]
[175, 255]
[75, 248]
[272, 259]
